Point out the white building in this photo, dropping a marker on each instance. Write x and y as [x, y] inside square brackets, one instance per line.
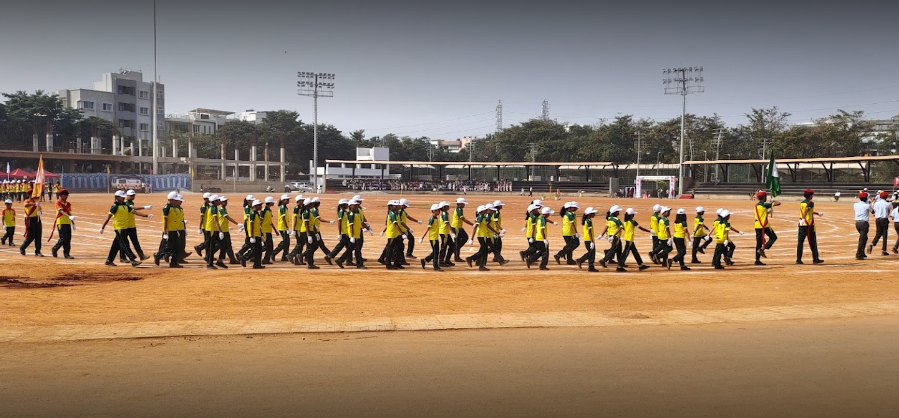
[198, 121]
[451, 145]
[253, 116]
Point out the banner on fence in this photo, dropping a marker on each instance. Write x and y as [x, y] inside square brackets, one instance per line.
[104, 181]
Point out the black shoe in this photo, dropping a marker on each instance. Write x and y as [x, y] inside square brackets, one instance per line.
[211, 267]
[670, 262]
[234, 261]
[580, 264]
[135, 263]
[144, 257]
[620, 270]
[258, 266]
[458, 260]
[701, 251]
[411, 256]
[593, 269]
[185, 255]
[22, 251]
[328, 260]
[438, 269]
[468, 261]
[110, 263]
[521, 253]
[870, 248]
[884, 253]
[602, 263]
[339, 264]
[643, 267]
[544, 268]
[503, 262]
[759, 263]
[68, 257]
[399, 267]
[527, 263]
[719, 267]
[482, 268]
[684, 268]
[175, 266]
[557, 259]
[799, 262]
[313, 267]
[243, 262]
[53, 252]
[156, 259]
[694, 261]
[761, 252]
[423, 264]
[361, 267]
[817, 261]
[895, 250]
[221, 264]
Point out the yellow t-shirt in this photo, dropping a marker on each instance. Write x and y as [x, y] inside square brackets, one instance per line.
[698, 227]
[315, 221]
[132, 223]
[483, 221]
[629, 227]
[540, 228]
[721, 229]
[120, 212]
[282, 218]
[654, 223]
[393, 229]
[613, 225]
[211, 218]
[588, 229]
[61, 218]
[568, 220]
[354, 218]
[434, 228]
[761, 215]
[458, 214]
[9, 217]
[680, 229]
[444, 223]
[663, 228]
[255, 228]
[807, 213]
[266, 222]
[174, 218]
[305, 216]
[223, 220]
[342, 221]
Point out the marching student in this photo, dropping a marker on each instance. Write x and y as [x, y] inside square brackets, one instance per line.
[614, 229]
[392, 255]
[9, 222]
[568, 213]
[317, 243]
[254, 231]
[247, 209]
[807, 227]
[33, 227]
[447, 237]
[341, 229]
[300, 215]
[204, 208]
[530, 230]
[863, 211]
[366, 227]
[64, 224]
[882, 209]
[666, 242]
[681, 232]
[354, 236]
[541, 240]
[722, 239]
[283, 228]
[410, 238]
[173, 231]
[459, 228]
[589, 241]
[498, 225]
[895, 216]
[701, 237]
[120, 212]
[433, 235]
[630, 226]
[214, 228]
[483, 231]
[762, 227]
[267, 228]
[654, 232]
[131, 232]
[225, 246]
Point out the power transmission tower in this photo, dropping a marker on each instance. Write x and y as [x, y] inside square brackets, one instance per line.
[499, 116]
[718, 133]
[683, 81]
[545, 115]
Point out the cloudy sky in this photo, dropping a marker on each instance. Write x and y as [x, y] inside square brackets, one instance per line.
[438, 70]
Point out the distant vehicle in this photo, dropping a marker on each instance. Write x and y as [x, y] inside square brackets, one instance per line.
[210, 189]
[298, 186]
[124, 183]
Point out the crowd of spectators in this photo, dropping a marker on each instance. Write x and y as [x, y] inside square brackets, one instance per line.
[430, 185]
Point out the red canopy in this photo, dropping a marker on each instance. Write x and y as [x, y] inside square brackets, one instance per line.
[49, 175]
[20, 174]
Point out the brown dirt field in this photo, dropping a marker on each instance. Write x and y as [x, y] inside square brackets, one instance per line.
[48, 291]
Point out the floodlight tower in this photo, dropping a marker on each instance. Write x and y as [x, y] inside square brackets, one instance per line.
[682, 81]
[499, 116]
[315, 85]
[545, 114]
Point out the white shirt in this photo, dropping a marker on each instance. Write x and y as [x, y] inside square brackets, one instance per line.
[895, 214]
[862, 211]
[882, 208]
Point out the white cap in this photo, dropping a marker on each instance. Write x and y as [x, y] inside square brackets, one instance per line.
[480, 209]
[700, 209]
[256, 202]
[497, 203]
[315, 199]
[681, 211]
[435, 207]
[307, 201]
[461, 200]
[391, 202]
[532, 206]
[725, 213]
[537, 202]
[223, 198]
[718, 211]
[214, 197]
[353, 201]
[120, 193]
[8, 200]
[179, 198]
[357, 198]
[269, 199]
[615, 208]
[130, 193]
[665, 209]
[656, 207]
[547, 211]
[298, 198]
[172, 195]
[249, 197]
[443, 203]
[404, 202]
[574, 205]
[207, 194]
[285, 196]
[630, 211]
[589, 210]
[342, 202]
[566, 205]
[489, 206]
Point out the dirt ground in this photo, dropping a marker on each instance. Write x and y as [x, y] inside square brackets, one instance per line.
[48, 291]
[809, 368]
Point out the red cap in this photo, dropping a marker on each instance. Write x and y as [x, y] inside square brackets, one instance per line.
[862, 195]
[809, 191]
[63, 191]
[761, 193]
[884, 194]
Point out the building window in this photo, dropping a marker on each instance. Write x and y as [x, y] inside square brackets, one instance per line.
[144, 94]
[145, 111]
[125, 90]
[125, 123]
[86, 105]
[145, 127]
[196, 129]
[126, 107]
[107, 107]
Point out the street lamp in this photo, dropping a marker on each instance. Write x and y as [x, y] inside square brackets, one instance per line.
[683, 81]
[315, 85]
[658, 154]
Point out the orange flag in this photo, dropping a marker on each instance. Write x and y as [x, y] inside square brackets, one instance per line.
[39, 179]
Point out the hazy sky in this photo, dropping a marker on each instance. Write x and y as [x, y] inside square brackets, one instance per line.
[438, 68]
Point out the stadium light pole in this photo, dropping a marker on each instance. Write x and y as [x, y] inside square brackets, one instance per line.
[155, 122]
[682, 81]
[315, 85]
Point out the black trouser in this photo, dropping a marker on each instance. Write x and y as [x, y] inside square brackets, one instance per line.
[571, 244]
[614, 251]
[132, 235]
[480, 257]
[700, 242]
[172, 247]
[447, 248]
[283, 246]
[655, 245]
[882, 226]
[11, 231]
[541, 251]
[720, 250]
[410, 243]
[807, 232]
[255, 252]
[321, 243]
[664, 250]
[34, 235]
[226, 249]
[201, 246]
[862, 228]
[120, 244]
[344, 240]
[310, 250]
[760, 241]
[352, 248]
[302, 239]
[246, 247]
[590, 255]
[497, 248]
[729, 250]
[393, 252]
[212, 245]
[461, 239]
[269, 247]
[434, 256]
[65, 239]
[631, 248]
[681, 245]
[531, 248]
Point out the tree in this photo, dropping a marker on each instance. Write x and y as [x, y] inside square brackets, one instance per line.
[39, 109]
